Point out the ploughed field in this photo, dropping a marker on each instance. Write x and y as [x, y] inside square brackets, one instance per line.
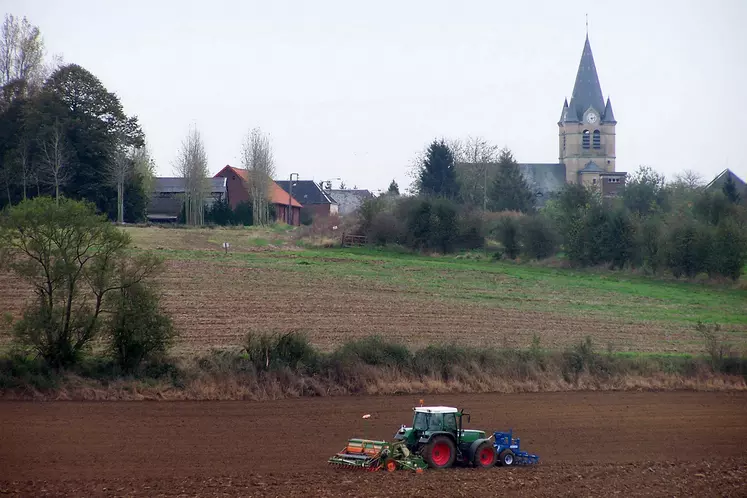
[590, 444]
[337, 295]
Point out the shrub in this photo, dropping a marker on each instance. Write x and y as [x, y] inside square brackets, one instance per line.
[138, 329]
[508, 235]
[716, 347]
[538, 237]
[73, 258]
[728, 251]
[374, 351]
[685, 248]
[271, 351]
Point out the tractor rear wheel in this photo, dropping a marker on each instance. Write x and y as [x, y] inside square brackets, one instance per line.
[506, 458]
[484, 456]
[440, 452]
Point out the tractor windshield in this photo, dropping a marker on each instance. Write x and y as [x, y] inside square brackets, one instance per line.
[421, 421]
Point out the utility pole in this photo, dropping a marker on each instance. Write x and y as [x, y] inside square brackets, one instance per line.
[289, 218]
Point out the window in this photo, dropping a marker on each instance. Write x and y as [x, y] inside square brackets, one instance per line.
[436, 422]
[597, 139]
[450, 422]
[563, 141]
[586, 139]
[594, 181]
[421, 421]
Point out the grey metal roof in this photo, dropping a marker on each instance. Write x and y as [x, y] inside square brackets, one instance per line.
[608, 116]
[544, 179]
[306, 192]
[349, 200]
[587, 92]
[720, 179]
[564, 111]
[591, 167]
[175, 185]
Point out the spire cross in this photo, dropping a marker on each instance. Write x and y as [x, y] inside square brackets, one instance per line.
[587, 25]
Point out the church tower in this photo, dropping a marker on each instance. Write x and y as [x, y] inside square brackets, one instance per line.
[587, 129]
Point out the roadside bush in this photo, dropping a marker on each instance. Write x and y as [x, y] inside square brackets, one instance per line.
[139, 330]
[650, 247]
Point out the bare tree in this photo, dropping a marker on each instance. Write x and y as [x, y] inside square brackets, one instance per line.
[52, 150]
[191, 164]
[257, 159]
[9, 35]
[118, 170]
[144, 167]
[21, 52]
[475, 158]
[689, 179]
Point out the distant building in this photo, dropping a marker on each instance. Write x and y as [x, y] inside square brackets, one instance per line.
[238, 191]
[167, 199]
[586, 141]
[348, 201]
[718, 182]
[315, 201]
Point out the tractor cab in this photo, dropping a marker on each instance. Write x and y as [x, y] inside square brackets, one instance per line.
[438, 434]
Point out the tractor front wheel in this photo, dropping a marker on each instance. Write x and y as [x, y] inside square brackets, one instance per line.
[484, 456]
[506, 458]
[440, 452]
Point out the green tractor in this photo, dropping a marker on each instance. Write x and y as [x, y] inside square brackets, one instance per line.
[437, 439]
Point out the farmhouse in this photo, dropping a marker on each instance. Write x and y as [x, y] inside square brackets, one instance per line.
[316, 202]
[237, 190]
[167, 198]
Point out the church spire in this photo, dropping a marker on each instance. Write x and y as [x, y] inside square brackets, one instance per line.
[587, 92]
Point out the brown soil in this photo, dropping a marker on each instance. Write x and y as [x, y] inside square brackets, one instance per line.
[591, 444]
[214, 303]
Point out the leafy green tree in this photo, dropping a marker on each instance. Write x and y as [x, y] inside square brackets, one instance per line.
[645, 192]
[730, 190]
[393, 188]
[509, 190]
[727, 254]
[138, 328]
[437, 174]
[95, 128]
[72, 258]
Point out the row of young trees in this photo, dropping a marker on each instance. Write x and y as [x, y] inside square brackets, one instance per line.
[62, 133]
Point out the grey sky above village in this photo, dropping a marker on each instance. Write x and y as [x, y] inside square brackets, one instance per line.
[354, 90]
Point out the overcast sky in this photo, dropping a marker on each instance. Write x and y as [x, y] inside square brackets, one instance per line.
[353, 91]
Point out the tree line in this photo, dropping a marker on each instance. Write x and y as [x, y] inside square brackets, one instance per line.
[470, 195]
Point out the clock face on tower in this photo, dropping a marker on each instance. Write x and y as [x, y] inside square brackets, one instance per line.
[591, 118]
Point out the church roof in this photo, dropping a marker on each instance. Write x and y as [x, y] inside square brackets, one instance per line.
[587, 92]
[565, 109]
[608, 116]
[591, 167]
[544, 179]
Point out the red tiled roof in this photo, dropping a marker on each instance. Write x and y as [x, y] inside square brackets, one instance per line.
[277, 194]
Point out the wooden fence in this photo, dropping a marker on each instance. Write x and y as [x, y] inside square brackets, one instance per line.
[353, 240]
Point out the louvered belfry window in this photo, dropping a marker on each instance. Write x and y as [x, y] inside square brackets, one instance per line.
[597, 139]
[585, 141]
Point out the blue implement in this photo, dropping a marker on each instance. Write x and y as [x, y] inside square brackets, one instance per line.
[509, 450]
